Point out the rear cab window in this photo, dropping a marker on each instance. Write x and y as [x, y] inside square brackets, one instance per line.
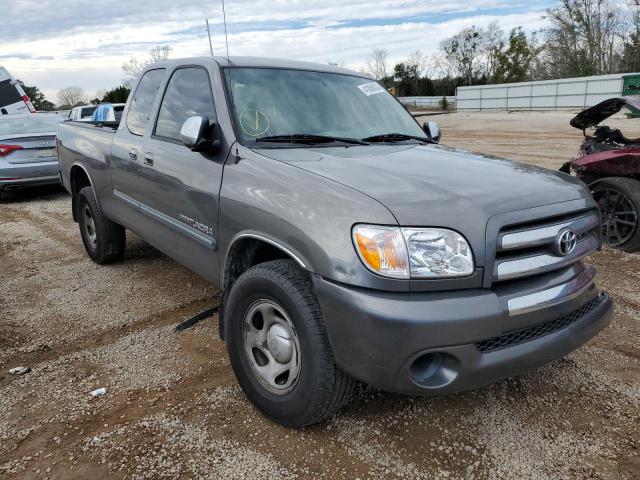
[188, 93]
[87, 111]
[142, 101]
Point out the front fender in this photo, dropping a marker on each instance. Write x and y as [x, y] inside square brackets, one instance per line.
[303, 213]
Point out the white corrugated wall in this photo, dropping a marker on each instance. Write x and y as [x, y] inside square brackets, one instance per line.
[425, 101]
[566, 93]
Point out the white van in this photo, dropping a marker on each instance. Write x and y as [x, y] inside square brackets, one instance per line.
[12, 96]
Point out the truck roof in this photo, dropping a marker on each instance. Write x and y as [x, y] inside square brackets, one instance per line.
[264, 62]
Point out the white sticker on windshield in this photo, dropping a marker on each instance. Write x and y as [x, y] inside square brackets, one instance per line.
[371, 88]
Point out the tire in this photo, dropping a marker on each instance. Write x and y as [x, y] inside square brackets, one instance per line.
[6, 196]
[103, 239]
[320, 388]
[619, 202]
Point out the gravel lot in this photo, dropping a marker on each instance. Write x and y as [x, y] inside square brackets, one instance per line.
[173, 410]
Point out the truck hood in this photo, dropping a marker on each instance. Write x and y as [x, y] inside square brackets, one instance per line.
[598, 113]
[433, 185]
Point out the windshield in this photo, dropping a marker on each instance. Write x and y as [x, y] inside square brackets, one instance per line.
[270, 102]
[10, 125]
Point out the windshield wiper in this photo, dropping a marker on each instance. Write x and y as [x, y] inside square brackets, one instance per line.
[395, 137]
[308, 139]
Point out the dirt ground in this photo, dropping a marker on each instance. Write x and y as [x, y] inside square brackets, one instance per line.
[173, 409]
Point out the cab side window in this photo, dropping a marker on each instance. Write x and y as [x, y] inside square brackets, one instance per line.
[142, 101]
[188, 93]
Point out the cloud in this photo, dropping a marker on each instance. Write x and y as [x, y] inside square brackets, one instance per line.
[85, 43]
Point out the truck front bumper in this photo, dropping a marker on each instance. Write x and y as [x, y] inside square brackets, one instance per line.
[441, 342]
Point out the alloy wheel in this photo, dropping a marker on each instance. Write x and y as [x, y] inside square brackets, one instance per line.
[619, 216]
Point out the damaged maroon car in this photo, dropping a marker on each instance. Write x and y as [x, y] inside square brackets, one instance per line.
[609, 163]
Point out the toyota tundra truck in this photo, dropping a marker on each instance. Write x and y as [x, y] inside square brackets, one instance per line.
[348, 244]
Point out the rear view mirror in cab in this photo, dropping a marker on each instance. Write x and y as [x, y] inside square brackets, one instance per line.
[432, 130]
[198, 134]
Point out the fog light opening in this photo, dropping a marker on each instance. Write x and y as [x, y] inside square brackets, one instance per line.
[435, 370]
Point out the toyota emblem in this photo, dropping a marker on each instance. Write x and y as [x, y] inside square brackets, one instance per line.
[566, 242]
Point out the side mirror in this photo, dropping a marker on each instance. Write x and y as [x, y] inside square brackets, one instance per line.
[198, 134]
[432, 130]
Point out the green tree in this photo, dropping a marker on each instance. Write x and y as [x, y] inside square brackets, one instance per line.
[117, 95]
[631, 54]
[46, 106]
[407, 78]
[513, 62]
[37, 98]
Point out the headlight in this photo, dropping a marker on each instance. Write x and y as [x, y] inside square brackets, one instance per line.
[413, 252]
[438, 252]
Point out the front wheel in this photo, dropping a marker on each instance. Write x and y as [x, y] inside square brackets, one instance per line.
[279, 347]
[619, 201]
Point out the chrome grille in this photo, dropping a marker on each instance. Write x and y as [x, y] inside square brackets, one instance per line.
[526, 250]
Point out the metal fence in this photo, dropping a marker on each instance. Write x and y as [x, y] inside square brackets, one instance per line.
[426, 102]
[566, 93]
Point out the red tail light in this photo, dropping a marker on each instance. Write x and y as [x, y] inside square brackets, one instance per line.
[30, 106]
[7, 149]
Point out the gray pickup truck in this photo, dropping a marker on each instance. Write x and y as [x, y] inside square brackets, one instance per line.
[347, 243]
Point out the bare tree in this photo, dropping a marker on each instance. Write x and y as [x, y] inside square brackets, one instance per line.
[631, 50]
[430, 66]
[634, 6]
[584, 38]
[415, 63]
[417, 60]
[442, 65]
[134, 67]
[493, 44]
[72, 96]
[377, 63]
[463, 52]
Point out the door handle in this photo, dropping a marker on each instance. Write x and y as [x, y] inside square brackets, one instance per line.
[148, 159]
[133, 155]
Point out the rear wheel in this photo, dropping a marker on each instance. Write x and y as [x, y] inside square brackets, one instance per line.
[103, 239]
[279, 347]
[619, 202]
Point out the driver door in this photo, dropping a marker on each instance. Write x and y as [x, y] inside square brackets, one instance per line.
[179, 188]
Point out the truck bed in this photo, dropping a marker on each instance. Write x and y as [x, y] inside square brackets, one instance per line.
[88, 145]
[88, 124]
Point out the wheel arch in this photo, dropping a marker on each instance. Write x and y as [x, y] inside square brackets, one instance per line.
[245, 251]
[78, 179]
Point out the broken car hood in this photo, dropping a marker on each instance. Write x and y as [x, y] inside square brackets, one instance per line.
[435, 185]
[600, 112]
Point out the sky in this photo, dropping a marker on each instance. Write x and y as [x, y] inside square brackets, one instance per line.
[56, 43]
